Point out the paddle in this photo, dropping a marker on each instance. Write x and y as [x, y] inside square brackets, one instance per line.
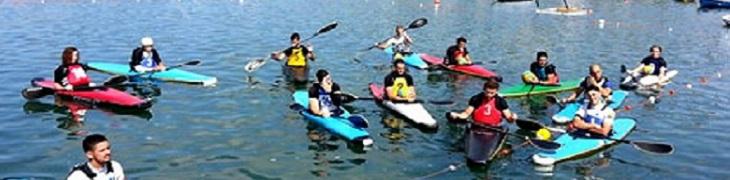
[348, 98]
[645, 146]
[415, 24]
[357, 121]
[541, 144]
[116, 79]
[255, 64]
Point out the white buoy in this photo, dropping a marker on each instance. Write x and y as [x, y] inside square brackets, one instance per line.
[719, 75]
[689, 86]
[670, 29]
[652, 99]
[601, 22]
[452, 168]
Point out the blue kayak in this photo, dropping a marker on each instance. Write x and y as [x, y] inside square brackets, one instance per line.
[413, 59]
[173, 75]
[714, 4]
[568, 112]
[573, 146]
[340, 126]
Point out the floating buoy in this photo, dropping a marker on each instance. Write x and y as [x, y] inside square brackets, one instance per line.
[652, 99]
[601, 23]
[627, 108]
[436, 1]
[703, 80]
[719, 75]
[689, 86]
[671, 92]
[452, 168]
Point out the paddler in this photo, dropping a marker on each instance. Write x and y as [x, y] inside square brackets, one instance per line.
[145, 58]
[595, 80]
[71, 74]
[98, 152]
[458, 54]
[594, 117]
[399, 84]
[541, 71]
[400, 42]
[487, 107]
[322, 100]
[653, 64]
[297, 55]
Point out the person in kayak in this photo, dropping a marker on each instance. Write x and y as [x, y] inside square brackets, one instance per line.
[654, 64]
[322, 96]
[594, 117]
[399, 84]
[595, 80]
[487, 107]
[145, 58]
[71, 73]
[100, 165]
[541, 71]
[400, 42]
[296, 55]
[458, 54]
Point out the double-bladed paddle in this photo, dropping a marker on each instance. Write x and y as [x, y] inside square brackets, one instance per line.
[255, 64]
[348, 98]
[538, 143]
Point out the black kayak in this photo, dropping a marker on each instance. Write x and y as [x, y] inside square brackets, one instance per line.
[483, 145]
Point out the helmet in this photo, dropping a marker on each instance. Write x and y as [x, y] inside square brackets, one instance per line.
[543, 134]
[146, 41]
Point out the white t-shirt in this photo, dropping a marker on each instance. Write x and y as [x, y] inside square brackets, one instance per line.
[398, 43]
[101, 174]
[597, 115]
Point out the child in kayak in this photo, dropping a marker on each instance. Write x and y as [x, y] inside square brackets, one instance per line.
[145, 58]
[400, 42]
[321, 96]
[487, 107]
[399, 85]
[595, 80]
[71, 73]
[100, 165]
[296, 55]
[594, 117]
[541, 71]
[458, 54]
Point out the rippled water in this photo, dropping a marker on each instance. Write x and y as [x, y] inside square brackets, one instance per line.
[242, 128]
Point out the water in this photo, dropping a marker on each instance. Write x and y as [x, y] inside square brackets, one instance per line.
[242, 129]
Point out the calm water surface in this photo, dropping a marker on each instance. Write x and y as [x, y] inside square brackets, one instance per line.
[243, 129]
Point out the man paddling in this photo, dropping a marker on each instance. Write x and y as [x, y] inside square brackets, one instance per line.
[458, 54]
[654, 64]
[145, 58]
[296, 59]
[541, 71]
[594, 117]
[71, 74]
[321, 100]
[400, 42]
[487, 108]
[100, 165]
[595, 80]
[399, 84]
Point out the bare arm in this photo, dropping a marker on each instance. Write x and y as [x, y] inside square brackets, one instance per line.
[464, 114]
[511, 117]
[314, 107]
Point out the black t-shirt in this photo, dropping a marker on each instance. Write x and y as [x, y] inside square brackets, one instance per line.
[657, 62]
[59, 75]
[390, 79]
[586, 87]
[314, 92]
[477, 100]
[451, 56]
[136, 58]
[542, 73]
[289, 50]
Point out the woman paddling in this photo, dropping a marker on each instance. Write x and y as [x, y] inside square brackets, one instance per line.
[71, 74]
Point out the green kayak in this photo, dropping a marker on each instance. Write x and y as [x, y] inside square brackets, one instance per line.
[173, 75]
[528, 89]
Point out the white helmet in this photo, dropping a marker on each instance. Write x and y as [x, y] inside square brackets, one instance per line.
[146, 41]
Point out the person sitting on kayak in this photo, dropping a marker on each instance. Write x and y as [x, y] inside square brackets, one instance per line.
[145, 58]
[541, 72]
[98, 152]
[653, 64]
[401, 43]
[595, 80]
[71, 74]
[399, 85]
[487, 107]
[296, 55]
[594, 117]
[458, 54]
[321, 96]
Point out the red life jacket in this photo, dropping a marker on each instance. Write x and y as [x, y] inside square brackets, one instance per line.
[76, 76]
[459, 53]
[488, 114]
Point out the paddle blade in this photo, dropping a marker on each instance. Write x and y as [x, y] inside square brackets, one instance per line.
[117, 79]
[345, 97]
[192, 63]
[442, 102]
[552, 99]
[623, 68]
[35, 92]
[420, 22]
[297, 107]
[544, 145]
[254, 65]
[528, 125]
[655, 148]
[327, 28]
[359, 121]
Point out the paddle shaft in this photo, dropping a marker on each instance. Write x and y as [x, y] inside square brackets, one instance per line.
[512, 134]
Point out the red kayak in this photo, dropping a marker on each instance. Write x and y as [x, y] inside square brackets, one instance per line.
[474, 70]
[101, 95]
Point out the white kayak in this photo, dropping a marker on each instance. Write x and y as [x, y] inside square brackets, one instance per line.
[726, 19]
[564, 11]
[411, 110]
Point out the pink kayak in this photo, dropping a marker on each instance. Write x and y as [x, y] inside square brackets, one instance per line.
[101, 95]
[474, 70]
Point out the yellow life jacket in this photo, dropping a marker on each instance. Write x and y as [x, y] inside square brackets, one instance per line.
[400, 87]
[297, 57]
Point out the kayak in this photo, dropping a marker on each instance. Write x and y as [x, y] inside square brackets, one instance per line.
[726, 19]
[564, 12]
[575, 146]
[527, 89]
[714, 4]
[413, 59]
[412, 111]
[568, 112]
[340, 126]
[483, 145]
[474, 70]
[173, 75]
[295, 74]
[630, 83]
[100, 96]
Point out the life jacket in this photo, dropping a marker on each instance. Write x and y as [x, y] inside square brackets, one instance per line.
[587, 87]
[401, 87]
[297, 57]
[148, 61]
[593, 116]
[325, 100]
[399, 44]
[76, 75]
[84, 168]
[488, 114]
